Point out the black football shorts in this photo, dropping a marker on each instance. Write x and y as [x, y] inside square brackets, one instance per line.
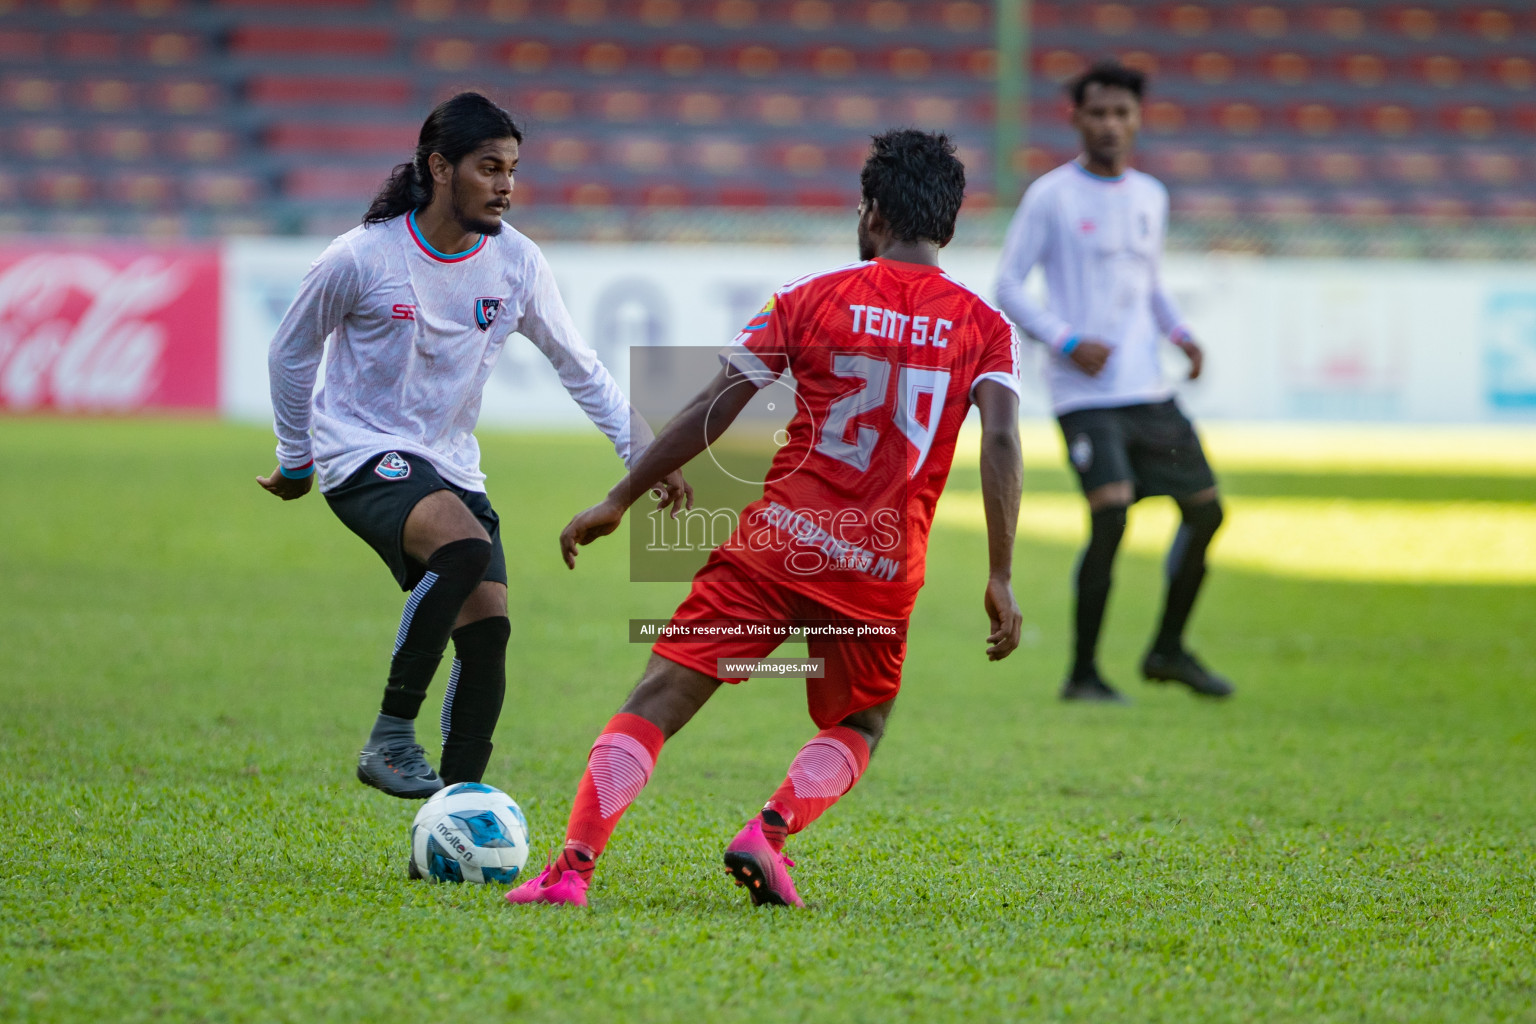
[1154, 446]
[375, 501]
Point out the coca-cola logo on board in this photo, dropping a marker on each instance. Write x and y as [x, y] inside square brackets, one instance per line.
[110, 331]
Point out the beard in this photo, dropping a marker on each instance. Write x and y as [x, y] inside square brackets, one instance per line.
[484, 222]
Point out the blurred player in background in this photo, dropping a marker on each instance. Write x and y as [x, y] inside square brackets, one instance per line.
[418, 302]
[1097, 226]
[887, 356]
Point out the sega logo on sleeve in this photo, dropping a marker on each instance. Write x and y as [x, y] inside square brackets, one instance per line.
[393, 467]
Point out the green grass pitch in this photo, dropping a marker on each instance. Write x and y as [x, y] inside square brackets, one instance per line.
[188, 668]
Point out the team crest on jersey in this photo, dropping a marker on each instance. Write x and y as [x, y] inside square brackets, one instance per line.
[1081, 452]
[393, 467]
[486, 311]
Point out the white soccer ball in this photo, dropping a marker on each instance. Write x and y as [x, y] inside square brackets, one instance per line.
[469, 832]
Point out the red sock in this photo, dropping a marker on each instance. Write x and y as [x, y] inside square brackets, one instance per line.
[617, 770]
[825, 769]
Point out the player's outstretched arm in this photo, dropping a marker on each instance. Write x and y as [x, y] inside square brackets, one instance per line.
[1002, 483]
[687, 434]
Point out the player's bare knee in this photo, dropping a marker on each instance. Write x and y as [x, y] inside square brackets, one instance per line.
[1119, 494]
[870, 723]
[669, 695]
[489, 601]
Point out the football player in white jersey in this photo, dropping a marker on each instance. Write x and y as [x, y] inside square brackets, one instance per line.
[1096, 227]
[417, 303]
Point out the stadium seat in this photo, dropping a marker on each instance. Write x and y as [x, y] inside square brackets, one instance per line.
[756, 61]
[1145, 61]
[288, 5]
[1335, 166]
[699, 107]
[1264, 21]
[1413, 166]
[582, 12]
[1363, 70]
[341, 139]
[545, 105]
[1470, 121]
[1490, 24]
[1516, 208]
[833, 62]
[1182, 163]
[22, 47]
[185, 96]
[1238, 118]
[329, 90]
[123, 143]
[107, 95]
[561, 152]
[1440, 208]
[1517, 73]
[780, 109]
[931, 112]
[886, 15]
[203, 145]
[350, 184]
[1490, 167]
[589, 193]
[524, 56]
[1209, 67]
[743, 196]
[1339, 22]
[720, 155]
[1523, 118]
[1205, 204]
[31, 93]
[971, 18]
[448, 53]
[980, 63]
[1390, 120]
[89, 46]
[46, 141]
[69, 189]
[1059, 65]
[603, 57]
[667, 194]
[329, 43]
[226, 188]
[801, 159]
[621, 106]
[644, 154]
[1365, 207]
[1259, 166]
[1314, 120]
[812, 15]
[1439, 70]
[679, 60]
[168, 49]
[144, 190]
[1287, 68]
[1284, 206]
[908, 63]
[1188, 20]
[826, 199]
[1417, 23]
[1111, 19]
[1164, 117]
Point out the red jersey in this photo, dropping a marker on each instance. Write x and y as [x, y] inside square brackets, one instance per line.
[885, 357]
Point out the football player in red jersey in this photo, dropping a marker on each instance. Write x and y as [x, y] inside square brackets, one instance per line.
[887, 356]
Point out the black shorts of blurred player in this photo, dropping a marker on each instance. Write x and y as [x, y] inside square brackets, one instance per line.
[1123, 454]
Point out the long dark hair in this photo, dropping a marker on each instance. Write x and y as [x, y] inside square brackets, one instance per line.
[456, 127]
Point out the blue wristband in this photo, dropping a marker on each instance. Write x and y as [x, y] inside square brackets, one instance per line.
[300, 472]
[1071, 344]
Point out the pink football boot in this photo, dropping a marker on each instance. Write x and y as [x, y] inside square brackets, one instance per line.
[569, 890]
[754, 863]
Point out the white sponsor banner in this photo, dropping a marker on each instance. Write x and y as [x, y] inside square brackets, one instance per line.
[1284, 339]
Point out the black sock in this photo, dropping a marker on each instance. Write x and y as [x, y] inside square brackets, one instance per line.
[453, 573]
[1186, 571]
[473, 702]
[1095, 569]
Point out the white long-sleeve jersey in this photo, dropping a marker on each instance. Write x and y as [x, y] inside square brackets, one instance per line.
[1100, 241]
[415, 334]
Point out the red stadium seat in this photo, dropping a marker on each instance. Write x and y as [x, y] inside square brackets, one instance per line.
[1287, 68]
[854, 110]
[563, 152]
[1364, 70]
[107, 95]
[312, 41]
[980, 63]
[329, 90]
[1439, 70]
[67, 189]
[448, 53]
[168, 49]
[885, 15]
[1265, 21]
[1285, 206]
[970, 17]
[734, 15]
[1046, 15]
[185, 96]
[348, 137]
[1111, 19]
[307, 5]
[589, 193]
[826, 198]
[122, 143]
[22, 46]
[667, 194]
[756, 61]
[1338, 21]
[1390, 120]
[581, 12]
[643, 154]
[1188, 20]
[745, 196]
[622, 106]
[1335, 166]
[1524, 118]
[1413, 166]
[678, 60]
[144, 190]
[1164, 117]
[333, 183]
[203, 145]
[720, 155]
[781, 109]
[1205, 204]
[89, 46]
[1513, 72]
[224, 189]
[1440, 208]
[1490, 24]
[46, 141]
[31, 93]
[1416, 23]
[832, 62]
[1489, 168]
[931, 111]
[1182, 163]
[801, 159]
[1209, 67]
[907, 63]
[698, 107]
[812, 15]
[1260, 166]
[1059, 64]
[1363, 207]
[1315, 120]
[1469, 120]
[524, 56]
[1239, 118]
[547, 106]
[1517, 208]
